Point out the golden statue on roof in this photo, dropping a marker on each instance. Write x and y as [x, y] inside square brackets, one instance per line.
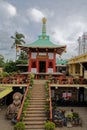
[44, 20]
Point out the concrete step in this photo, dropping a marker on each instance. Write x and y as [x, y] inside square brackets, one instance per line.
[35, 118]
[34, 122]
[34, 127]
[37, 102]
[36, 106]
[38, 94]
[30, 115]
[35, 109]
[36, 98]
[35, 112]
[39, 81]
[37, 87]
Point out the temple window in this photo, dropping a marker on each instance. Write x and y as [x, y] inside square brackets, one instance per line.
[50, 65]
[50, 70]
[50, 55]
[33, 64]
[33, 55]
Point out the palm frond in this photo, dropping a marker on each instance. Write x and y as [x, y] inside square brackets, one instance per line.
[13, 45]
[13, 37]
[21, 40]
[18, 39]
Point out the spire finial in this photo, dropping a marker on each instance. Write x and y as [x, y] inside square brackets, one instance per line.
[44, 20]
[44, 26]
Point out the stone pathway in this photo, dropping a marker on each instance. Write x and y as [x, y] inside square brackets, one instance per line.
[4, 123]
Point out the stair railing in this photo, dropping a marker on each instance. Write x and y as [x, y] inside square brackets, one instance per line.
[50, 103]
[22, 104]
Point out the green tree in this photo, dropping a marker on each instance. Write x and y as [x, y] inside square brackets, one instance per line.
[18, 40]
[10, 66]
[23, 58]
[2, 61]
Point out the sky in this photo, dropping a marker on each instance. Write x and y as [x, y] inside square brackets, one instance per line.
[66, 21]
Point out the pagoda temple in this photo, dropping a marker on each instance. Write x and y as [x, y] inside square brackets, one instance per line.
[42, 54]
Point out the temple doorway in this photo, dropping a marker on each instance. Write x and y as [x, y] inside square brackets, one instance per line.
[42, 66]
[81, 95]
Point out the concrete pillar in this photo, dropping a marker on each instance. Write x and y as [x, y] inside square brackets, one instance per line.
[70, 69]
[81, 70]
[73, 69]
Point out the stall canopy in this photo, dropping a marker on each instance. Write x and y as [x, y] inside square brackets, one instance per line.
[5, 91]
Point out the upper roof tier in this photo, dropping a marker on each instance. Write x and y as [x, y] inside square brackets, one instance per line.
[43, 41]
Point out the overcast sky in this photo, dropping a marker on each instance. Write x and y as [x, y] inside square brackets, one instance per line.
[66, 21]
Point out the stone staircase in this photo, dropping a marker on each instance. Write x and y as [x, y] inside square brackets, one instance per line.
[39, 81]
[35, 117]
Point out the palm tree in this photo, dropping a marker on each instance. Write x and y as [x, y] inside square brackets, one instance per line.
[18, 40]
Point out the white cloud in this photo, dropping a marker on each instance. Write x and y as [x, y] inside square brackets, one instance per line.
[11, 10]
[70, 30]
[7, 9]
[68, 33]
[49, 12]
[35, 14]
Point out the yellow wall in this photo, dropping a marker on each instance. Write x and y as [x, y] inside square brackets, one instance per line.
[75, 65]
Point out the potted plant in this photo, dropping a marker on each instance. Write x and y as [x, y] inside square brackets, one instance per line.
[49, 125]
[76, 118]
[69, 116]
[19, 126]
[75, 115]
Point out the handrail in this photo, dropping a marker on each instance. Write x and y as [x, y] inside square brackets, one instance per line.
[50, 103]
[21, 108]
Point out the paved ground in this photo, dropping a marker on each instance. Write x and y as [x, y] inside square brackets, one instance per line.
[6, 124]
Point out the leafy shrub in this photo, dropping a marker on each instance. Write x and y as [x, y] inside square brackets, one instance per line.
[19, 126]
[75, 115]
[70, 115]
[49, 125]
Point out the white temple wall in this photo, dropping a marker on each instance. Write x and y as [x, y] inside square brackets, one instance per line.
[33, 70]
[50, 70]
[33, 55]
[51, 55]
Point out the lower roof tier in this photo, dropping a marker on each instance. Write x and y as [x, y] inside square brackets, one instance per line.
[58, 50]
